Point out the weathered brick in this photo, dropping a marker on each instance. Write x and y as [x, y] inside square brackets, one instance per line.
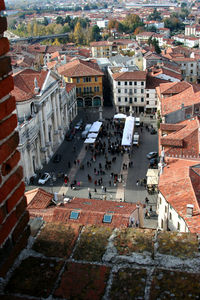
[5, 63]
[20, 227]
[4, 46]
[3, 24]
[10, 163]
[11, 183]
[21, 206]
[7, 226]
[21, 244]
[3, 213]
[2, 5]
[8, 126]
[7, 107]
[6, 86]
[7, 148]
[15, 197]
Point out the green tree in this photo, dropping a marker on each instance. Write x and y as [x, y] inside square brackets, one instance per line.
[156, 16]
[96, 36]
[45, 22]
[60, 20]
[35, 29]
[78, 34]
[86, 7]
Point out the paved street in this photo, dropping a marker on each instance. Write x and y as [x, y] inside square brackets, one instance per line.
[127, 190]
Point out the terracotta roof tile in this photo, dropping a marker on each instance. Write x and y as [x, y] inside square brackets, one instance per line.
[38, 199]
[136, 75]
[24, 83]
[78, 68]
[176, 186]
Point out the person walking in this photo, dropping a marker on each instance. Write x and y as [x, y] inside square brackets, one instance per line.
[90, 195]
[146, 201]
[105, 189]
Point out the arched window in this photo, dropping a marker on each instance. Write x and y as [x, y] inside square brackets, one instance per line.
[32, 109]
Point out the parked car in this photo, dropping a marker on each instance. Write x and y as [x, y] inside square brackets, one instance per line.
[44, 178]
[57, 158]
[152, 154]
[153, 131]
[153, 162]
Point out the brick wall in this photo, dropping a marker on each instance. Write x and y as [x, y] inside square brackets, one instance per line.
[14, 229]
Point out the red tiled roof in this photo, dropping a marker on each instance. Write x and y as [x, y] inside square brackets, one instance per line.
[136, 75]
[24, 83]
[38, 199]
[153, 82]
[78, 68]
[176, 186]
[91, 211]
[174, 87]
[69, 87]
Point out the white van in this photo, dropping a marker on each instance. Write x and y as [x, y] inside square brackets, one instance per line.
[137, 122]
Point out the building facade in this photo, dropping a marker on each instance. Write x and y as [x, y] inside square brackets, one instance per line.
[44, 108]
[88, 79]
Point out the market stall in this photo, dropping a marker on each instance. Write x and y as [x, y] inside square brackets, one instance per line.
[95, 126]
[128, 132]
[152, 180]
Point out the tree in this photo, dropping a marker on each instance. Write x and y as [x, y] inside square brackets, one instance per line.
[78, 33]
[35, 29]
[56, 42]
[60, 20]
[131, 22]
[29, 29]
[86, 7]
[45, 22]
[156, 16]
[96, 33]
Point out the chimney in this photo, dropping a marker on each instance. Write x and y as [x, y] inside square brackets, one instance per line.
[36, 89]
[190, 208]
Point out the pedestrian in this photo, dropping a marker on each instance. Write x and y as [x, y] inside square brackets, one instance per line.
[137, 223]
[71, 185]
[95, 170]
[146, 200]
[109, 182]
[102, 188]
[90, 195]
[137, 182]
[95, 182]
[78, 161]
[105, 189]
[95, 190]
[151, 208]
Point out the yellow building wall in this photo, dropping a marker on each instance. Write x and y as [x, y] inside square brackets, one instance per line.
[83, 84]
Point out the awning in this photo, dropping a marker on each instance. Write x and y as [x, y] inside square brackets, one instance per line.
[92, 135]
[119, 116]
[89, 141]
[95, 126]
[152, 173]
[152, 177]
[128, 131]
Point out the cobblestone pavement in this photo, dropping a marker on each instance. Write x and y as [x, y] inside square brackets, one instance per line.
[127, 190]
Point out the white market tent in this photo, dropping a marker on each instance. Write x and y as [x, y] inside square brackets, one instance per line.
[128, 131]
[92, 135]
[119, 116]
[89, 141]
[152, 177]
[95, 126]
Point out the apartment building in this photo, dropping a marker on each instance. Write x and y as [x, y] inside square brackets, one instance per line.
[109, 48]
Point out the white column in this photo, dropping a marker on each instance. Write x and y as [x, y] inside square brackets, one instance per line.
[45, 124]
[55, 113]
[58, 109]
[41, 128]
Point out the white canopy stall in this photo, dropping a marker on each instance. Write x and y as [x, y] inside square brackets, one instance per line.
[152, 178]
[128, 131]
[92, 135]
[89, 141]
[95, 126]
[120, 116]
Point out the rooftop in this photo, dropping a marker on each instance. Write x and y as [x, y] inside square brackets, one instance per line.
[78, 68]
[136, 75]
[91, 262]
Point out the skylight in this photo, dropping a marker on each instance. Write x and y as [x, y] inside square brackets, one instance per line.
[107, 218]
[74, 215]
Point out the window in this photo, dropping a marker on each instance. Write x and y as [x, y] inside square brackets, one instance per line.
[135, 99]
[155, 102]
[135, 82]
[125, 82]
[160, 201]
[107, 218]
[170, 216]
[130, 92]
[96, 78]
[142, 99]
[147, 102]
[90, 89]
[119, 83]
[130, 100]
[161, 223]
[190, 79]
[191, 65]
[125, 91]
[142, 91]
[191, 71]
[86, 79]
[119, 91]
[126, 99]
[97, 88]
[74, 215]
[147, 95]
[68, 79]
[84, 89]
[87, 89]
[79, 90]
[178, 226]
[78, 80]
[135, 91]
[142, 83]
[119, 99]
[130, 83]
[165, 209]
